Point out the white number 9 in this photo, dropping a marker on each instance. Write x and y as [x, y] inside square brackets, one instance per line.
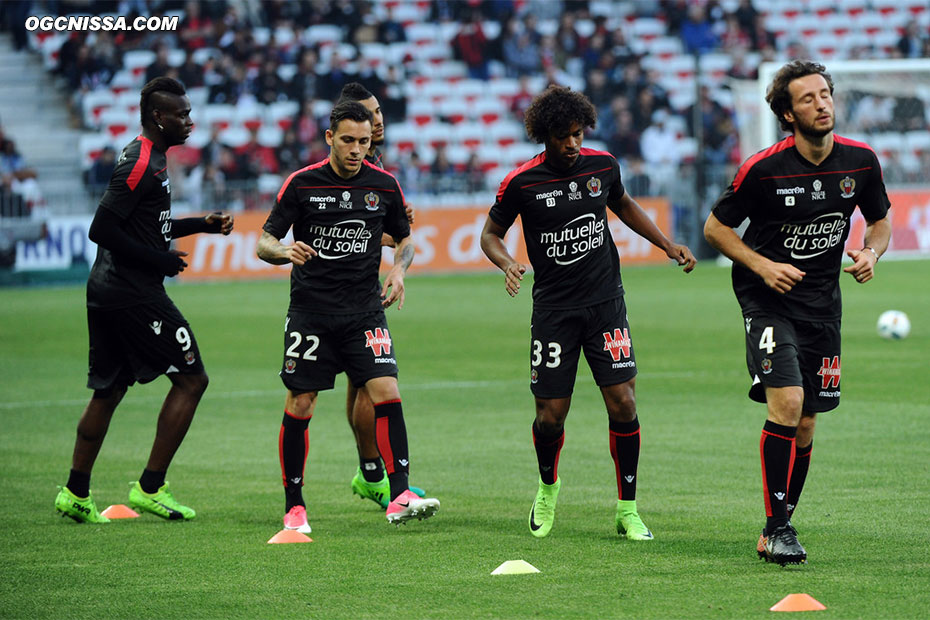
[184, 338]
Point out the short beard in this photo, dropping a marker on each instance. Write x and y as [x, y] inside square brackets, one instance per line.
[808, 131]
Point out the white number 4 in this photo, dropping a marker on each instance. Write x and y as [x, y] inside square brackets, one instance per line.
[767, 341]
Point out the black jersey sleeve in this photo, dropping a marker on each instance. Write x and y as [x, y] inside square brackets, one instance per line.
[395, 216]
[284, 213]
[874, 203]
[616, 190]
[735, 203]
[506, 207]
[127, 184]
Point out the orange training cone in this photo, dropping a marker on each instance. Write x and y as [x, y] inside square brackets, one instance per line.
[289, 536]
[119, 511]
[798, 602]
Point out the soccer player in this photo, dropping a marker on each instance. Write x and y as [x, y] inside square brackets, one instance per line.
[136, 332]
[798, 196]
[370, 481]
[562, 196]
[338, 209]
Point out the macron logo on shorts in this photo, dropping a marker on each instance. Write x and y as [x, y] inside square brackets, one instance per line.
[378, 342]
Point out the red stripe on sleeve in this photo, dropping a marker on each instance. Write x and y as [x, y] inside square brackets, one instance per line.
[145, 153]
[787, 143]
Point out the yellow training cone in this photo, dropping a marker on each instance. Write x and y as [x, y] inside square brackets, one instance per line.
[515, 567]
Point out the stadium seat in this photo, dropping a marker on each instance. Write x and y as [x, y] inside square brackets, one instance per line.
[200, 56]
[467, 90]
[118, 121]
[234, 136]
[270, 136]
[92, 104]
[281, 113]
[421, 111]
[502, 87]
[470, 134]
[287, 71]
[176, 57]
[436, 134]
[322, 34]
[90, 145]
[222, 114]
[404, 136]
[137, 61]
[506, 132]
[489, 110]
[454, 110]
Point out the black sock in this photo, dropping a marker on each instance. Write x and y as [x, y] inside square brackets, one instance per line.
[624, 448]
[293, 446]
[372, 470]
[150, 481]
[802, 462]
[391, 433]
[548, 442]
[777, 450]
[79, 483]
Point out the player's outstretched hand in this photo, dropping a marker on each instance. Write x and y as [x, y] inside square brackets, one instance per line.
[409, 211]
[683, 256]
[863, 267]
[512, 277]
[299, 253]
[780, 277]
[220, 222]
[393, 289]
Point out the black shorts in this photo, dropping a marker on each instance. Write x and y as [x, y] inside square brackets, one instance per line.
[317, 347]
[139, 343]
[783, 352]
[558, 337]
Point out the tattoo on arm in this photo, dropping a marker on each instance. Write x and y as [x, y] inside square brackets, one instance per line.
[406, 255]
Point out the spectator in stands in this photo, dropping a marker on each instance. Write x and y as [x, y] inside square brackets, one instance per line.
[733, 34]
[623, 141]
[304, 86]
[521, 100]
[318, 150]
[567, 37]
[469, 45]
[521, 55]
[196, 29]
[697, 31]
[598, 90]
[255, 158]
[659, 146]
[394, 101]
[190, 73]
[98, 175]
[911, 43]
[411, 174]
[442, 172]
[268, 86]
[340, 73]
[159, 66]
[391, 30]
[12, 164]
[636, 181]
[207, 186]
[760, 36]
[473, 175]
[644, 109]
[291, 153]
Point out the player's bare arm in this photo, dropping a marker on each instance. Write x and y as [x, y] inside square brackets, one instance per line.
[393, 288]
[877, 236]
[492, 243]
[780, 277]
[272, 251]
[631, 214]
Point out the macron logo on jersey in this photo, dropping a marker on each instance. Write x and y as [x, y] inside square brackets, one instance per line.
[829, 372]
[378, 341]
[618, 344]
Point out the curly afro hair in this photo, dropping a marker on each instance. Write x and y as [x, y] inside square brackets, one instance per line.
[553, 112]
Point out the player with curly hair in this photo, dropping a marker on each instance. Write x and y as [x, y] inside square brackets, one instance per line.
[562, 196]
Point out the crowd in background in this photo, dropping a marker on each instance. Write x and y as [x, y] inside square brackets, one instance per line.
[638, 122]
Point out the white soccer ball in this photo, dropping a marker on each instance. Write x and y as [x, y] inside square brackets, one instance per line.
[893, 325]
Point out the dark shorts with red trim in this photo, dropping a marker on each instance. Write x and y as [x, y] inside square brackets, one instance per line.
[317, 347]
[139, 343]
[784, 352]
[558, 337]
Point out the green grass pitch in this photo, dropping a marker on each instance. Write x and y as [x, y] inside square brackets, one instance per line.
[463, 348]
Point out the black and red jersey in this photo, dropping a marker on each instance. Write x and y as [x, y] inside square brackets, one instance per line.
[564, 216]
[140, 195]
[343, 220]
[799, 214]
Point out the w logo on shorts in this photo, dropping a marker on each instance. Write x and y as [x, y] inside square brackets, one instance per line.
[619, 343]
[378, 342]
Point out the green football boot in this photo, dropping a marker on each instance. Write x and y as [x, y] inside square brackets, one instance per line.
[82, 510]
[160, 503]
[378, 492]
[628, 522]
[542, 514]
